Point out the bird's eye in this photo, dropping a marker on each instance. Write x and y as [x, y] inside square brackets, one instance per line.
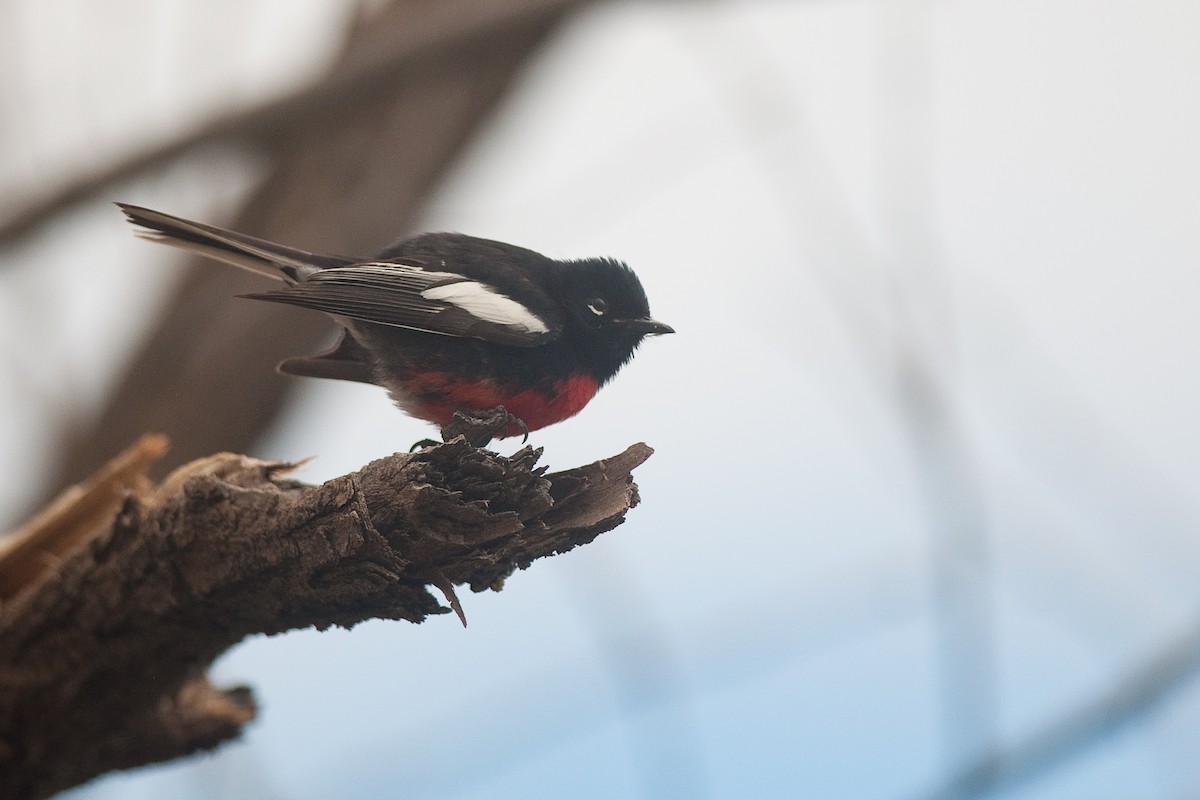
[598, 306]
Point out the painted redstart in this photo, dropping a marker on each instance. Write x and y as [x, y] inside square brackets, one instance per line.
[447, 322]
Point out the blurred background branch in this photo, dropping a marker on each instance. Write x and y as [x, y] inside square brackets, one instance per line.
[389, 47]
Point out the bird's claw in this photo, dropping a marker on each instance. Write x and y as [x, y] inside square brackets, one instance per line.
[481, 427]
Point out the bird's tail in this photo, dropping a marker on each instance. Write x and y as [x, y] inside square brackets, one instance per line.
[257, 255]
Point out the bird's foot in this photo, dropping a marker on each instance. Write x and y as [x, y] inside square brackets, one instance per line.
[481, 427]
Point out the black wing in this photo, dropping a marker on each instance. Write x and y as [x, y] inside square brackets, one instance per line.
[407, 296]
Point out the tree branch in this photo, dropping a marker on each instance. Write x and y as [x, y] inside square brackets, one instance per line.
[102, 660]
[432, 39]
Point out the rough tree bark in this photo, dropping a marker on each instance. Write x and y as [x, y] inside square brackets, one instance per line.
[103, 656]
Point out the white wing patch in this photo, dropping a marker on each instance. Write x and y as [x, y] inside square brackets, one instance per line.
[487, 304]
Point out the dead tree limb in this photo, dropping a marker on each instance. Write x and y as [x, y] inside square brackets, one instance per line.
[103, 659]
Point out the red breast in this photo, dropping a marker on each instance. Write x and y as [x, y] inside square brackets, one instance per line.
[435, 396]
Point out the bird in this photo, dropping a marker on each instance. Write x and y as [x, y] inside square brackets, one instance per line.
[447, 322]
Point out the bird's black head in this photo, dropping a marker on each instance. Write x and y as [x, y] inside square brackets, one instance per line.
[607, 313]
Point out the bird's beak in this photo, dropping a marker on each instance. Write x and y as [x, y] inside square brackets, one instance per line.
[645, 325]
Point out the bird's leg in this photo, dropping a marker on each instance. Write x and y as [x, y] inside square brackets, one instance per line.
[481, 427]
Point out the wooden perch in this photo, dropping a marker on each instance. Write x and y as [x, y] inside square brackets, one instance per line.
[103, 657]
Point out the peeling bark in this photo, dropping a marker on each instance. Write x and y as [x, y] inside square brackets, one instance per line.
[103, 658]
